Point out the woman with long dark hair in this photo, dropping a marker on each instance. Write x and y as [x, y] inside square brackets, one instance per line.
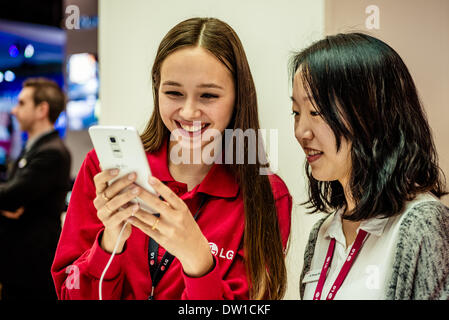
[372, 164]
[222, 226]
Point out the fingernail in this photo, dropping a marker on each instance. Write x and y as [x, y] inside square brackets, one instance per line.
[113, 172]
[135, 208]
[131, 176]
[135, 190]
[152, 180]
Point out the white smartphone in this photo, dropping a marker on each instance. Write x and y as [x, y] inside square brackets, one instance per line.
[121, 147]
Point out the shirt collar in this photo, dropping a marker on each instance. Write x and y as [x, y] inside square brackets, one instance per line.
[374, 226]
[158, 163]
[219, 181]
[31, 142]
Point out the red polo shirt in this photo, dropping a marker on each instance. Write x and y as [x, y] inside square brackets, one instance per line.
[80, 261]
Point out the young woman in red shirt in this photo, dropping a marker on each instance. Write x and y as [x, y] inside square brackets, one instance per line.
[222, 228]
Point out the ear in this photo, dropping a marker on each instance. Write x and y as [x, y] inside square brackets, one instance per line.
[43, 110]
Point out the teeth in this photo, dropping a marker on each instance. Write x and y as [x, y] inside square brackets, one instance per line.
[313, 152]
[192, 128]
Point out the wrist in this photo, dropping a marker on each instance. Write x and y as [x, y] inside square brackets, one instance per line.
[198, 266]
[107, 242]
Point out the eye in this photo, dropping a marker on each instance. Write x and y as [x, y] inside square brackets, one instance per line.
[295, 113]
[209, 96]
[315, 113]
[173, 93]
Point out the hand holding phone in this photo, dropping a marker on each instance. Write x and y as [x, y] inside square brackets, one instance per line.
[120, 147]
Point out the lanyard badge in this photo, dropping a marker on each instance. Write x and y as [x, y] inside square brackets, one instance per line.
[344, 270]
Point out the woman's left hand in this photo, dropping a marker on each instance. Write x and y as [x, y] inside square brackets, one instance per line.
[176, 230]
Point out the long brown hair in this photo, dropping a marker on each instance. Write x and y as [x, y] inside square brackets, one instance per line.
[262, 240]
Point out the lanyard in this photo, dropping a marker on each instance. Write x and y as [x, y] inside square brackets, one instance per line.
[157, 271]
[344, 270]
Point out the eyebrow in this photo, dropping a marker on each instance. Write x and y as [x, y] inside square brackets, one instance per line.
[203, 85]
[210, 85]
[305, 99]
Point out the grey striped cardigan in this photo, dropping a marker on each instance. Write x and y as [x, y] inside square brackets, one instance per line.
[421, 263]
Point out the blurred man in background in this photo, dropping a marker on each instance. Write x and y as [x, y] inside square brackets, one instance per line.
[33, 198]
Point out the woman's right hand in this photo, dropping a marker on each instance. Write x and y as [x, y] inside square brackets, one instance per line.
[114, 207]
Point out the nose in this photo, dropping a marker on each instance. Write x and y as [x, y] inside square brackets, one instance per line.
[189, 110]
[14, 111]
[303, 130]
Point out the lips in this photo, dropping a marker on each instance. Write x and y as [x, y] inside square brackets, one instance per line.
[312, 155]
[189, 128]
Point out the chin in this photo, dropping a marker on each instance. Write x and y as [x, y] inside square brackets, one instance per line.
[321, 176]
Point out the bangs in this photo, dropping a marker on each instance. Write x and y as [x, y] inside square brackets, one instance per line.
[317, 81]
[365, 93]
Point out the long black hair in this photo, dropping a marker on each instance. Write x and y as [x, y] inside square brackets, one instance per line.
[365, 93]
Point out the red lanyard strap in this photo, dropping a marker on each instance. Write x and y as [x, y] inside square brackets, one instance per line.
[344, 270]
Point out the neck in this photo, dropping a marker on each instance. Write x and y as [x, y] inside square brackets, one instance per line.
[39, 128]
[349, 227]
[350, 204]
[191, 173]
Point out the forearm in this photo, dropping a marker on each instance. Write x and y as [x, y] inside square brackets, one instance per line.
[81, 279]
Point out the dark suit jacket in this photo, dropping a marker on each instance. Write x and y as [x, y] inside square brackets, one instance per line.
[38, 181]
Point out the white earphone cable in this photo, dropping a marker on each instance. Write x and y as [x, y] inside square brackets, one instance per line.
[100, 295]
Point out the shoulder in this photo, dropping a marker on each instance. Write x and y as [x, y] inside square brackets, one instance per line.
[53, 145]
[278, 186]
[424, 233]
[84, 181]
[427, 219]
[424, 222]
[283, 200]
[421, 264]
[310, 249]
[92, 158]
[318, 227]
[91, 161]
[284, 203]
[90, 166]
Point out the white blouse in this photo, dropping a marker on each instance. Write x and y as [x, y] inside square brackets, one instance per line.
[368, 276]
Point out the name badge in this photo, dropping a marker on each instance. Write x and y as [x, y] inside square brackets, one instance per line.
[312, 276]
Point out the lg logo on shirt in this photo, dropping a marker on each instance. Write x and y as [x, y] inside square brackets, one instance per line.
[221, 252]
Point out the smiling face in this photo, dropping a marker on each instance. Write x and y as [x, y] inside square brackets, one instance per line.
[318, 140]
[196, 93]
